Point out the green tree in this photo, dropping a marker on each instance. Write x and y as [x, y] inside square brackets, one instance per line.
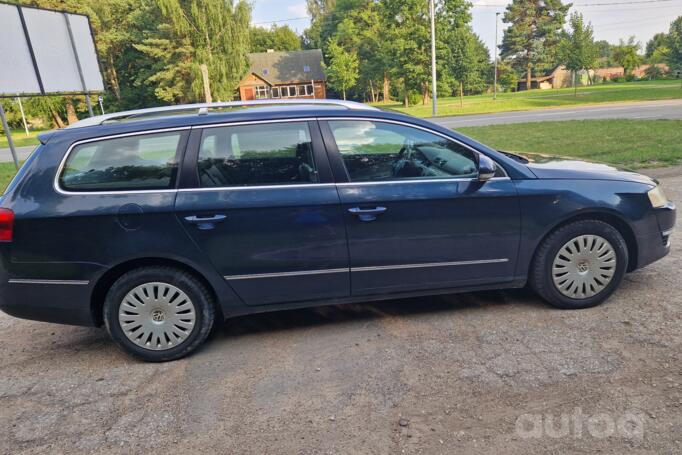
[658, 40]
[674, 56]
[468, 61]
[342, 70]
[362, 30]
[214, 33]
[277, 38]
[408, 34]
[577, 50]
[530, 42]
[625, 54]
[320, 16]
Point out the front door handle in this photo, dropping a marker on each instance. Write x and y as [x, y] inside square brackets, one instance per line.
[205, 222]
[367, 214]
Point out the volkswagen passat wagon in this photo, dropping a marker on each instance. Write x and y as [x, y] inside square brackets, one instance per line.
[160, 223]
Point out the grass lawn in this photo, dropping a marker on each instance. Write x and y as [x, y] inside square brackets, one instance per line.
[7, 171]
[632, 143]
[538, 99]
[20, 138]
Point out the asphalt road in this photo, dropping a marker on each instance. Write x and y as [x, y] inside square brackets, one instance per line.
[666, 109]
[489, 372]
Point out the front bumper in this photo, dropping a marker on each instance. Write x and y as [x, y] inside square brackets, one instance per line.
[654, 246]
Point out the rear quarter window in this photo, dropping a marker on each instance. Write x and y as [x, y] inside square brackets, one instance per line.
[140, 162]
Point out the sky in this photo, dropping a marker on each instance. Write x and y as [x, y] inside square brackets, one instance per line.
[611, 19]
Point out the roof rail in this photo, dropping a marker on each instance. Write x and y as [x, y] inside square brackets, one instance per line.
[203, 108]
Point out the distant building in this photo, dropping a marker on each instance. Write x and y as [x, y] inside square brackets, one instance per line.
[284, 75]
[560, 77]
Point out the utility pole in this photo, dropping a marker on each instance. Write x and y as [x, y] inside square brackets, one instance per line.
[495, 50]
[434, 95]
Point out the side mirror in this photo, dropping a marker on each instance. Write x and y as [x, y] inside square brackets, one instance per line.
[486, 168]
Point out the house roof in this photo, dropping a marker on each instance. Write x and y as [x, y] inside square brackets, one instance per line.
[292, 66]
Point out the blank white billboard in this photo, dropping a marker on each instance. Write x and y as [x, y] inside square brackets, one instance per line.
[17, 74]
[52, 61]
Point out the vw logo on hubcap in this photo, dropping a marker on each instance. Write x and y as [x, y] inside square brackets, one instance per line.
[158, 315]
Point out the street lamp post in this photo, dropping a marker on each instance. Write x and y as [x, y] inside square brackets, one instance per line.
[495, 50]
[432, 11]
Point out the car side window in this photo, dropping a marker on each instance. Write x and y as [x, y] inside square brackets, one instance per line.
[376, 151]
[140, 162]
[260, 154]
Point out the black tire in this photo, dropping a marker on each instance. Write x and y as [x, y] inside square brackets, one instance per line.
[540, 277]
[197, 293]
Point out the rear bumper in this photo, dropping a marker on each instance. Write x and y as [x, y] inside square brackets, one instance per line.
[654, 246]
[58, 301]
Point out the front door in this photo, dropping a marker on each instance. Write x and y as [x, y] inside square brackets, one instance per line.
[265, 212]
[416, 215]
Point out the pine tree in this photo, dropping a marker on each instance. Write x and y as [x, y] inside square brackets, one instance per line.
[530, 42]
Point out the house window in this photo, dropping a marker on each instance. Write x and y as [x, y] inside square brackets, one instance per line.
[306, 69]
[262, 92]
[301, 90]
[275, 92]
[309, 90]
[292, 90]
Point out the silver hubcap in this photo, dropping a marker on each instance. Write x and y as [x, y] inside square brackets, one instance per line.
[584, 266]
[157, 316]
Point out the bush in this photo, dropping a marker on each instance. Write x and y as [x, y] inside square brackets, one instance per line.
[414, 98]
[630, 78]
[619, 79]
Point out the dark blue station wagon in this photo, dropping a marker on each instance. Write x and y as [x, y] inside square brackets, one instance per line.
[160, 223]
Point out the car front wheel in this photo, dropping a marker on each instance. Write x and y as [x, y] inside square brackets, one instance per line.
[580, 264]
[158, 313]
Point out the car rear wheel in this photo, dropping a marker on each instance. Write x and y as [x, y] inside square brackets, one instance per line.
[579, 265]
[158, 313]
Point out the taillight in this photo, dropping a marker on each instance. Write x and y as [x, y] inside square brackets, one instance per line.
[6, 225]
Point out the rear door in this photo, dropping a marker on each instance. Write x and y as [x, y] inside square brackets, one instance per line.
[416, 214]
[264, 210]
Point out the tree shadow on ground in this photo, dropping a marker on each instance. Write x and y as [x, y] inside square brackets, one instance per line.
[355, 312]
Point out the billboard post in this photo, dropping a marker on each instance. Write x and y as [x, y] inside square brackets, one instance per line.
[9, 136]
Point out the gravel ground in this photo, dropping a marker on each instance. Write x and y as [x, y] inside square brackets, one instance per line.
[473, 373]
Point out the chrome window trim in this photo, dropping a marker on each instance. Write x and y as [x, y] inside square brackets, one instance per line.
[63, 191]
[365, 269]
[439, 180]
[258, 187]
[31, 281]
[419, 127]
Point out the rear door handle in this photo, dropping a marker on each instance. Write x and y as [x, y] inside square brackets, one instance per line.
[205, 222]
[367, 214]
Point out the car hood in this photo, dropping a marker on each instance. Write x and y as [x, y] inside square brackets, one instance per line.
[557, 167]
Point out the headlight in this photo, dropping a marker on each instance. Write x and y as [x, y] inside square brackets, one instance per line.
[657, 197]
